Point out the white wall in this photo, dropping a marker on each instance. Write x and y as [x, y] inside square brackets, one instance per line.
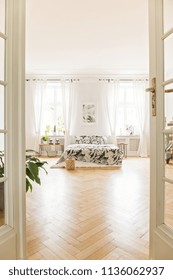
[88, 91]
[30, 127]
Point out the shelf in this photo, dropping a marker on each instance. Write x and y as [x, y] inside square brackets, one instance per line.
[51, 150]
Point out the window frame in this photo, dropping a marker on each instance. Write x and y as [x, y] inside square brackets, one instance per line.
[56, 89]
[124, 86]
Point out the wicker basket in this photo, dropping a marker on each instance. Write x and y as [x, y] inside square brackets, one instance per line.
[70, 164]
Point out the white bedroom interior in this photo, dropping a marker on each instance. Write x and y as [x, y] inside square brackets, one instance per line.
[85, 83]
[80, 53]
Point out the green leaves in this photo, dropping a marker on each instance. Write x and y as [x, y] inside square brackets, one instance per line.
[1, 171]
[28, 185]
[33, 167]
[1, 164]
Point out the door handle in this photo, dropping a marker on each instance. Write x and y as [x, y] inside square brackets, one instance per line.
[151, 89]
[153, 96]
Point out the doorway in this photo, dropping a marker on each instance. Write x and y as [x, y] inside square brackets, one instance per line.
[51, 243]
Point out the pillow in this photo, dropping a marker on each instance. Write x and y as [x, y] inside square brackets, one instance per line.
[97, 140]
[83, 140]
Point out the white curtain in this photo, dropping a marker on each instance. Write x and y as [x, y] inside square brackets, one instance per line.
[68, 100]
[35, 90]
[109, 97]
[142, 109]
[113, 104]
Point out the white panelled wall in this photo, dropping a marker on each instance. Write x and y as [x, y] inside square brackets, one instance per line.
[88, 92]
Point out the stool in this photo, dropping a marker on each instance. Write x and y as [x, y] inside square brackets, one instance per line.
[123, 148]
[70, 164]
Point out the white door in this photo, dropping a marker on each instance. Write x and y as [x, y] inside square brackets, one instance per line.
[161, 68]
[12, 133]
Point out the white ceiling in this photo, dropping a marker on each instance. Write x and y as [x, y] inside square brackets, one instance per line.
[87, 36]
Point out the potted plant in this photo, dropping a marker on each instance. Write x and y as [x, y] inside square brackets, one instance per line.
[33, 167]
[1, 164]
[45, 139]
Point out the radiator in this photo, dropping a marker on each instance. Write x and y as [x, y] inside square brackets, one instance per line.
[132, 144]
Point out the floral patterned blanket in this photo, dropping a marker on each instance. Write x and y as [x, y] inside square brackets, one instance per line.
[107, 154]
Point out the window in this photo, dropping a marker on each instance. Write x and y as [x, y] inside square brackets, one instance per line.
[52, 123]
[127, 122]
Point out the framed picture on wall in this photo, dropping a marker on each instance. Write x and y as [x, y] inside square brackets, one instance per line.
[88, 113]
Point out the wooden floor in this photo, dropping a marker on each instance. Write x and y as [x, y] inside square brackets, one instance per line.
[90, 214]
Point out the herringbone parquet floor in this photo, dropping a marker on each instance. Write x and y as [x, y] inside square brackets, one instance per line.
[90, 214]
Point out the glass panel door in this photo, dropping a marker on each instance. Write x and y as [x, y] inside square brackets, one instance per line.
[2, 181]
[168, 155]
[2, 16]
[167, 14]
[12, 138]
[168, 114]
[161, 175]
[3, 131]
[1, 107]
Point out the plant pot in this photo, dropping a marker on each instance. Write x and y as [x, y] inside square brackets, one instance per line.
[44, 142]
[70, 164]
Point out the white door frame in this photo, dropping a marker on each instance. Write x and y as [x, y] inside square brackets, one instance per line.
[153, 161]
[161, 242]
[13, 233]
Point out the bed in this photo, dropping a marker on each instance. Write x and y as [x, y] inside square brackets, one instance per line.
[93, 149]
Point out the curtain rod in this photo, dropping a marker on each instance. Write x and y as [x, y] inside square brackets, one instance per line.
[124, 80]
[77, 80]
[52, 80]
